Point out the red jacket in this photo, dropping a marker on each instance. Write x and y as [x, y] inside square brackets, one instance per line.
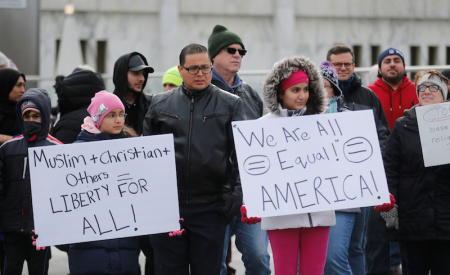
[395, 102]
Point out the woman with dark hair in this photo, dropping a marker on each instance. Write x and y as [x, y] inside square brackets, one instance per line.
[299, 242]
[12, 87]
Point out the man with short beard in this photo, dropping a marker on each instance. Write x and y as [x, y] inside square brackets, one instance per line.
[396, 93]
[130, 76]
[394, 89]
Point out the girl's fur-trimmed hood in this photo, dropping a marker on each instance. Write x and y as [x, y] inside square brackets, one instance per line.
[283, 69]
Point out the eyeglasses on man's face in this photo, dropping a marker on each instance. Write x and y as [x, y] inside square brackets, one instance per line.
[196, 69]
[422, 88]
[339, 65]
[231, 50]
[114, 116]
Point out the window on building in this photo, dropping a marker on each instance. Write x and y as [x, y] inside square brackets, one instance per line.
[432, 55]
[101, 56]
[415, 55]
[374, 53]
[58, 43]
[83, 45]
[357, 50]
[447, 61]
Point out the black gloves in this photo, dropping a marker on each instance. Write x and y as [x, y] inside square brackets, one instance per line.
[231, 208]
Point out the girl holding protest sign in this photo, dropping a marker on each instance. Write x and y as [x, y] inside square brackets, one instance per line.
[422, 193]
[293, 88]
[114, 256]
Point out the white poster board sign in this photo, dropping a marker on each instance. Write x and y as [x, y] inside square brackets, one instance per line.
[310, 163]
[434, 131]
[104, 189]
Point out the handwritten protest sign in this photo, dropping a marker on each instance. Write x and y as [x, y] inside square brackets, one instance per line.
[104, 189]
[434, 131]
[310, 163]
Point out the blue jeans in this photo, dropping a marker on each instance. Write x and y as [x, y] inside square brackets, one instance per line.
[345, 255]
[252, 242]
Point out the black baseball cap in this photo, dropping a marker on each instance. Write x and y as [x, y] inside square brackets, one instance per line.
[137, 64]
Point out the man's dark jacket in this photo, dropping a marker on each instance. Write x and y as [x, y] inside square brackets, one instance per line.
[359, 97]
[204, 146]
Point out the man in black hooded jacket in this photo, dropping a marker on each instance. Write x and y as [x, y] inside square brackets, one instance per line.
[130, 76]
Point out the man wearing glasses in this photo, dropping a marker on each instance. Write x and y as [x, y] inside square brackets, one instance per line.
[227, 51]
[345, 253]
[199, 116]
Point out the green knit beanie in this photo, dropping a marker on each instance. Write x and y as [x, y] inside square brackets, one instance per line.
[172, 76]
[220, 38]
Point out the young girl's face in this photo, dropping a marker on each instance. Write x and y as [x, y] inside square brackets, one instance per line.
[295, 97]
[113, 122]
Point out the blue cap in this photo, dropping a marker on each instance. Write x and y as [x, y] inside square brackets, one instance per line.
[390, 51]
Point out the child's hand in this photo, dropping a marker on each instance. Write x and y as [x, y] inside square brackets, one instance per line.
[34, 236]
[247, 220]
[180, 232]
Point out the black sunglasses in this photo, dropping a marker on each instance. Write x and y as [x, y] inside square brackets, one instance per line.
[233, 51]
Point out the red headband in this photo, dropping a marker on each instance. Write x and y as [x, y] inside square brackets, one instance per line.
[295, 78]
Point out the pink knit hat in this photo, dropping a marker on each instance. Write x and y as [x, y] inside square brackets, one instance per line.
[101, 104]
[295, 78]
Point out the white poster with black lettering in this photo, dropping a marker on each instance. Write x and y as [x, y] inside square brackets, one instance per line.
[104, 189]
[434, 131]
[310, 163]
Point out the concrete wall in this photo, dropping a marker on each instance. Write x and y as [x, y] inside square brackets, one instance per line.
[270, 29]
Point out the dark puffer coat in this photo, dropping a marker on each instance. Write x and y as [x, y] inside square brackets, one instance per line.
[74, 96]
[422, 193]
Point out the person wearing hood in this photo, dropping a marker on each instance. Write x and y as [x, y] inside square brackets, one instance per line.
[16, 217]
[115, 256]
[227, 51]
[130, 77]
[74, 96]
[294, 88]
[12, 87]
[422, 193]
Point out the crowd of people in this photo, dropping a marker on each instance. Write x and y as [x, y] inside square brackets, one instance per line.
[199, 99]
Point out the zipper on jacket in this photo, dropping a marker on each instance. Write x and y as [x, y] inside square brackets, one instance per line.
[189, 147]
[310, 220]
[211, 116]
[24, 167]
[170, 115]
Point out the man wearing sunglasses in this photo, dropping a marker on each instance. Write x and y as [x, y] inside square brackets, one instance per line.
[227, 51]
[346, 251]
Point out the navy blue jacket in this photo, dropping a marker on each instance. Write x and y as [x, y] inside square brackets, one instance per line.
[15, 185]
[112, 257]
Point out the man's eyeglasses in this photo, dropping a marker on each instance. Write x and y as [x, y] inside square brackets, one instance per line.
[422, 88]
[339, 65]
[196, 69]
[233, 51]
[114, 116]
